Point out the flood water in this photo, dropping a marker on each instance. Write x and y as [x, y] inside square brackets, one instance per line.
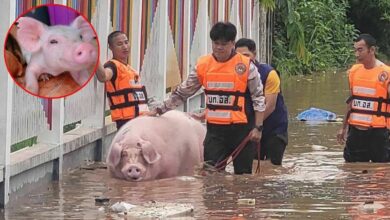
[313, 182]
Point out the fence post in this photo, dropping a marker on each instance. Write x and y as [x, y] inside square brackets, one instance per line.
[97, 120]
[102, 25]
[163, 41]
[136, 25]
[234, 18]
[186, 39]
[203, 25]
[54, 136]
[262, 46]
[247, 26]
[61, 2]
[221, 10]
[8, 11]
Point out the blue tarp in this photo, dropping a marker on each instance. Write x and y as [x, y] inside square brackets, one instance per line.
[316, 114]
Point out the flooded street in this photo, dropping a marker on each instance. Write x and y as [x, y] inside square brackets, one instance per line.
[313, 182]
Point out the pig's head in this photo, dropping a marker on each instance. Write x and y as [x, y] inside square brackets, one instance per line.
[68, 48]
[134, 161]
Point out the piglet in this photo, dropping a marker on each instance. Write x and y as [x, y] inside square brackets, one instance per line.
[56, 49]
[148, 148]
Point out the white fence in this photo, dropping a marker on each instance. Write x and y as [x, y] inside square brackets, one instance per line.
[22, 115]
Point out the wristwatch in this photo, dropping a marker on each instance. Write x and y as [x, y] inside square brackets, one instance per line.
[259, 128]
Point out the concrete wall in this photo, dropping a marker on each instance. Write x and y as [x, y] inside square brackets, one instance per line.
[39, 165]
[7, 10]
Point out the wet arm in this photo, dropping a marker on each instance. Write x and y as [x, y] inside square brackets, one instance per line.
[271, 91]
[185, 90]
[346, 115]
[103, 74]
[341, 134]
[256, 90]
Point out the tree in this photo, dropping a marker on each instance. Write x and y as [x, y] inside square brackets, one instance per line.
[311, 36]
[373, 17]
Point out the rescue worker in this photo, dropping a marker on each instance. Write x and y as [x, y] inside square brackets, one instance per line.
[367, 117]
[274, 138]
[127, 96]
[225, 76]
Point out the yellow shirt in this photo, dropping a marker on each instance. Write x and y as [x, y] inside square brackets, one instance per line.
[272, 85]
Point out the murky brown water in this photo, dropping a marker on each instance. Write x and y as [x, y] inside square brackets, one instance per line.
[313, 182]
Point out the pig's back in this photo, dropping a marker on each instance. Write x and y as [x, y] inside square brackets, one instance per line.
[175, 135]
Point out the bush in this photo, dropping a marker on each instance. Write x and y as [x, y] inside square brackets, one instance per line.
[373, 17]
[312, 36]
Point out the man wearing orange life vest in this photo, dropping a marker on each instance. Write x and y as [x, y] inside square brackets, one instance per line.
[127, 96]
[226, 77]
[368, 115]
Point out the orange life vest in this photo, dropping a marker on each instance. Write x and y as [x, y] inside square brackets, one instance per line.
[225, 85]
[369, 101]
[127, 96]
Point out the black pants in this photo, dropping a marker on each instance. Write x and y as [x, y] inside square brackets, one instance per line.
[220, 142]
[120, 123]
[367, 145]
[273, 147]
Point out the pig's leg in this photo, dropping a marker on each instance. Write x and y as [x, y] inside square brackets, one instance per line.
[32, 80]
[80, 77]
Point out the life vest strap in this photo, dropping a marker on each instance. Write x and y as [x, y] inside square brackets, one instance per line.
[226, 93]
[219, 107]
[233, 107]
[373, 99]
[126, 91]
[369, 112]
[379, 100]
[128, 103]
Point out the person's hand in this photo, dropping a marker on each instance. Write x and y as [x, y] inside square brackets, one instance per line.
[152, 113]
[341, 136]
[255, 135]
[198, 116]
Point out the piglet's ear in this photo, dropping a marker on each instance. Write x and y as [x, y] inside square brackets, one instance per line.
[86, 30]
[29, 33]
[114, 156]
[148, 152]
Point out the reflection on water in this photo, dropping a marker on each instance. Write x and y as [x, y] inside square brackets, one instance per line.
[314, 182]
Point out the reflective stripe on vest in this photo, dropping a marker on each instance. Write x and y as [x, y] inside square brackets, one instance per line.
[225, 85]
[369, 100]
[127, 98]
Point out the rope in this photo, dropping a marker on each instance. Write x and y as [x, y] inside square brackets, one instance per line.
[222, 164]
[258, 147]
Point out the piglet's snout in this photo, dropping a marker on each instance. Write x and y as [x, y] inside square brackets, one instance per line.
[85, 53]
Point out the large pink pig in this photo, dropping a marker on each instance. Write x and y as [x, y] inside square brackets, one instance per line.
[56, 49]
[148, 148]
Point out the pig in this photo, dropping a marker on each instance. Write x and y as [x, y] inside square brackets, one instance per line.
[149, 148]
[56, 49]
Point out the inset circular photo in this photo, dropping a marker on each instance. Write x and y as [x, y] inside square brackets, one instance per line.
[51, 51]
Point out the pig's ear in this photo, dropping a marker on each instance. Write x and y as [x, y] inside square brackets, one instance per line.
[29, 33]
[86, 31]
[148, 152]
[114, 157]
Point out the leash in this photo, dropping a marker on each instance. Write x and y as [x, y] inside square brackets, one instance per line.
[258, 147]
[222, 164]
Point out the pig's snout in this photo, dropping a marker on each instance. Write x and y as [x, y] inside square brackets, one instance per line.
[85, 53]
[134, 172]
